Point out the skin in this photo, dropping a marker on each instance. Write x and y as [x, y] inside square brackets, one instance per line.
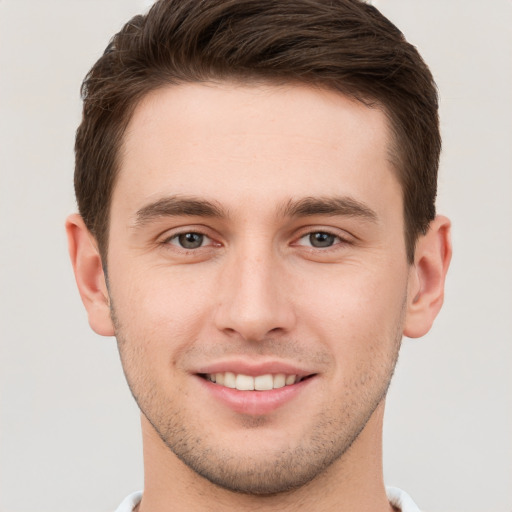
[258, 290]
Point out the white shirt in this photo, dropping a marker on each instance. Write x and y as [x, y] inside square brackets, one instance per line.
[396, 497]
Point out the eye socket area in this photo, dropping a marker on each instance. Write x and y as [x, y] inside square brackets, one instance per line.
[193, 239]
[190, 240]
[321, 239]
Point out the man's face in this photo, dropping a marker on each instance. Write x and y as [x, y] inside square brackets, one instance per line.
[257, 239]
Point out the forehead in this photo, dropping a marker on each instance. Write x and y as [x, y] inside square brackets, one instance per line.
[230, 142]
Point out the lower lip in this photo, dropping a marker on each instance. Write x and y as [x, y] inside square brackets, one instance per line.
[255, 402]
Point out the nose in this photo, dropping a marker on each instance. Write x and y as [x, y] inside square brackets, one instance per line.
[254, 299]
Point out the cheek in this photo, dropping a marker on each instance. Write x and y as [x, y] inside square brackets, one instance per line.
[358, 311]
[158, 317]
[160, 304]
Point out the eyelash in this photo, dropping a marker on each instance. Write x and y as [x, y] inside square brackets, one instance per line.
[176, 237]
[338, 240]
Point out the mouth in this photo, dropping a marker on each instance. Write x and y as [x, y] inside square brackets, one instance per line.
[264, 382]
[255, 391]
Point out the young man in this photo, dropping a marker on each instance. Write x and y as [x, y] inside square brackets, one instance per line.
[256, 183]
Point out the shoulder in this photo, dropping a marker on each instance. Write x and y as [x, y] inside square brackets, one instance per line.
[130, 502]
[401, 500]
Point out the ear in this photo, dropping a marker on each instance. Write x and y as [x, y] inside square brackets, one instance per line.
[86, 261]
[427, 276]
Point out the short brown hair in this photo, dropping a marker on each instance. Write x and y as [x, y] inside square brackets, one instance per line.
[342, 45]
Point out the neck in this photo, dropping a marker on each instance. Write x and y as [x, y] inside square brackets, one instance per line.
[353, 483]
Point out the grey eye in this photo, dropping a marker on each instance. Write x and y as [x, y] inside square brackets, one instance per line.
[320, 239]
[190, 240]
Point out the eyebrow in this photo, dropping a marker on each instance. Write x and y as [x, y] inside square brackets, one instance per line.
[175, 206]
[330, 206]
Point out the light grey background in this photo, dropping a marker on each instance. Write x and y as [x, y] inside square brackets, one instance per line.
[69, 431]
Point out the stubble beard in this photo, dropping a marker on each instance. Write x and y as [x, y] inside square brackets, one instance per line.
[332, 435]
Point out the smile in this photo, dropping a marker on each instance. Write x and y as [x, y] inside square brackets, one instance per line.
[255, 391]
[243, 382]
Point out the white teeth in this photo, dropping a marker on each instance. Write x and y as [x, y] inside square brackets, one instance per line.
[263, 382]
[230, 380]
[243, 382]
[290, 379]
[280, 380]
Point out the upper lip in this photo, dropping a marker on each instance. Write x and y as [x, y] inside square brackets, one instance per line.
[253, 369]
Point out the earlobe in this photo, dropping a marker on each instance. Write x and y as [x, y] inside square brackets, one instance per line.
[89, 275]
[426, 281]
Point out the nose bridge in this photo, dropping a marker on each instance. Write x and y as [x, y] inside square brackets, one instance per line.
[253, 296]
